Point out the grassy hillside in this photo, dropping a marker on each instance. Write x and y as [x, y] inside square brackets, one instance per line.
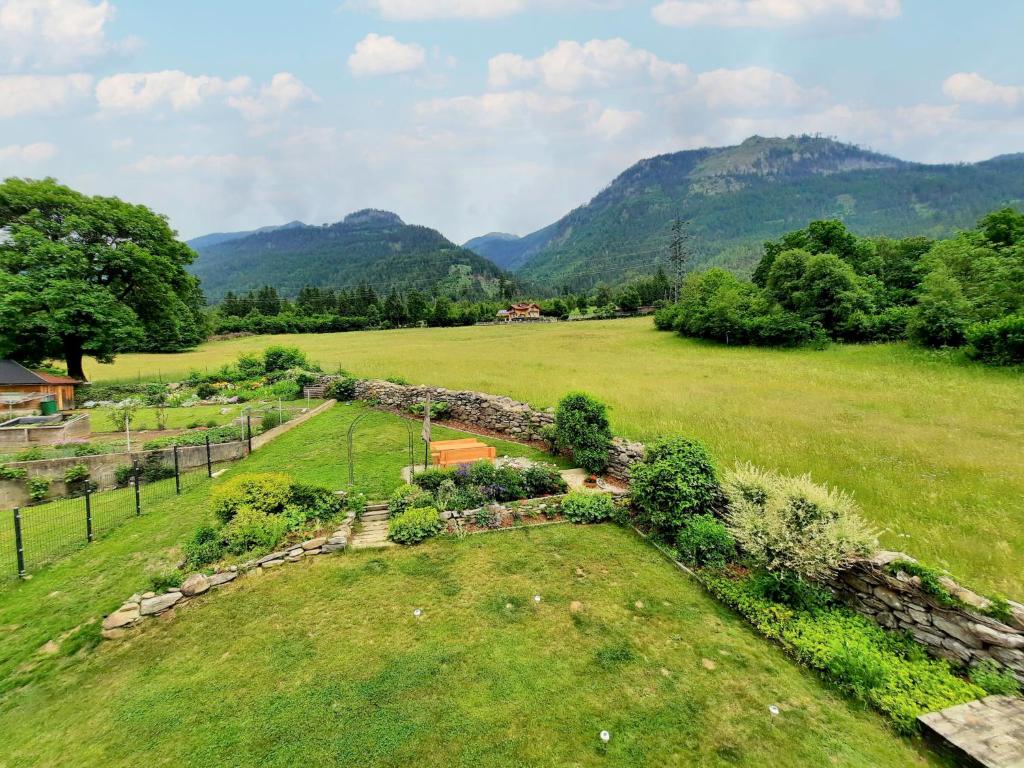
[374, 247]
[931, 448]
[323, 664]
[735, 198]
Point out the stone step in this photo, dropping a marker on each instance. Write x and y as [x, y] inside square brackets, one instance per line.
[376, 507]
[383, 515]
[372, 544]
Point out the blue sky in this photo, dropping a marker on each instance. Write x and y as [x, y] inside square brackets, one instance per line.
[475, 115]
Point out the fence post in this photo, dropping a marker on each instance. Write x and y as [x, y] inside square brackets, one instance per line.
[138, 498]
[248, 429]
[209, 458]
[177, 472]
[18, 544]
[88, 515]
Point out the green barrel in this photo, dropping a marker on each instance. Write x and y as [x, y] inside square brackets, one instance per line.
[48, 407]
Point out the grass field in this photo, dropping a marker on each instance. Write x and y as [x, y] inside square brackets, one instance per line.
[323, 664]
[67, 599]
[931, 448]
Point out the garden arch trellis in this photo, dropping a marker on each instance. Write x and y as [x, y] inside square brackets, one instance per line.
[350, 438]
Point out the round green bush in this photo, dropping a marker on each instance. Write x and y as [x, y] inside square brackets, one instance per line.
[414, 525]
[675, 480]
[342, 390]
[582, 429]
[587, 507]
[704, 541]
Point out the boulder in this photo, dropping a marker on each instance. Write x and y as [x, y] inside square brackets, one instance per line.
[337, 547]
[314, 543]
[222, 578]
[993, 636]
[195, 584]
[272, 563]
[122, 617]
[159, 603]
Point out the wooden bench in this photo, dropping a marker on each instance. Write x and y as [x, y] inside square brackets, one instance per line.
[445, 453]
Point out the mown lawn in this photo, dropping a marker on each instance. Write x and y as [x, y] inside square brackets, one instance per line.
[66, 600]
[323, 663]
[931, 448]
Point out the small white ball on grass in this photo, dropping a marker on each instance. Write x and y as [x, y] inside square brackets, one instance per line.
[605, 736]
[417, 613]
[536, 598]
[773, 709]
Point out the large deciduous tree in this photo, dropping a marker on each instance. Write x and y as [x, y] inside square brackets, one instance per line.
[83, 275]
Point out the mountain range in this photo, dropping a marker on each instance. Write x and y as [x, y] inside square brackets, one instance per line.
[731, 198]
[368, 246]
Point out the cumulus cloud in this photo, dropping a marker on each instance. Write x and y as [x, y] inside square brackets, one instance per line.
[613, 123]
[572, 66]
[420, 10]
[283, 92]
[504, 109]
[753, 88]
[143, 91]
[29, 94]
[770, 13]
[972, 88]
[55, 34]
[384, 55]
[27, 153]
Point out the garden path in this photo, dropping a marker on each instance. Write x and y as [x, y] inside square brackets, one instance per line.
[372, 528]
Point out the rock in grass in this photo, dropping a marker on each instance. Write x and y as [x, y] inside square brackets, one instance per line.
[159, 603]
[195, 584]
[316, 543]
[222, 578]
[122, 617]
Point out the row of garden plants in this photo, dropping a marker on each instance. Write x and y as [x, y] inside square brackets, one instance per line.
[256, 513]
[479, 488]
[762, 542]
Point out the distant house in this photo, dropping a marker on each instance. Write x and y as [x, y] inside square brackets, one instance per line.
[518, 312]
[23, 388]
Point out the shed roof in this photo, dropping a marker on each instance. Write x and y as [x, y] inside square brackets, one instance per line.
[16, 373]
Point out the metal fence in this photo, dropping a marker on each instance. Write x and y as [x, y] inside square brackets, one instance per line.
[36, 534]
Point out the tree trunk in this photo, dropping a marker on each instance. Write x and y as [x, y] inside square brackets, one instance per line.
[73, 359]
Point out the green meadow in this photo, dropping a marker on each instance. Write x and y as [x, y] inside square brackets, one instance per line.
[930, 446]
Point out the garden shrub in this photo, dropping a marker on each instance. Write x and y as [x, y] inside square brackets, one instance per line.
[430, 479]
[998, 342]
[406, 496]
[704, 541]
[76, 479]
[38, 487]
[487, 518]
[414, 525]
[315, 501]
[203, 547]
[152, 468]
[205, 391]
[13, 473]
[467, 497]
[790, 524]
[342, 390]
[165, 580]
[582, 429]
[251, 529]
[123, 474]
[281, 358]
[888, 671]
[271, 419]
[438, 409]
[676, 479]
[587, 507]
[264, 492]
[995, 679]
[85, 449]
[543, 480]
[30, 454]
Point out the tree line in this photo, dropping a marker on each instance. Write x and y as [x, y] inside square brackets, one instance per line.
[823, 283]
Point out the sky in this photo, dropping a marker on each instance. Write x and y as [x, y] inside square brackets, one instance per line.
[472, 116]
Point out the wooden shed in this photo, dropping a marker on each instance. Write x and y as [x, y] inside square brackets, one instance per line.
[35, 386]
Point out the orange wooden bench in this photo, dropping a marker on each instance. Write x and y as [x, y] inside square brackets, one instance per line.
[445, 453]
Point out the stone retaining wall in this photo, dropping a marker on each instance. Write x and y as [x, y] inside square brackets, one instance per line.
[147, 605]
[492, 412]
[961, 635]
[623, 454]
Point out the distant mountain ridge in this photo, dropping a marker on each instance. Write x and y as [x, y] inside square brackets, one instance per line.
[735, 198]
[368, 246]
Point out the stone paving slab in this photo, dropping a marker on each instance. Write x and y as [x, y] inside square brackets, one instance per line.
[988, 733]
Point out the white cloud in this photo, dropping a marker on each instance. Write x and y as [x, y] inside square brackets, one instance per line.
[420, 10]
[572, 66]
[506, 109]
[55, 34]
[283, 92]
[143, 91]
[613, 123]
[384, 55]
[972, 88]
[28, 94]
[753, 88]
[228, 163]
[27, 153]
[770, 13]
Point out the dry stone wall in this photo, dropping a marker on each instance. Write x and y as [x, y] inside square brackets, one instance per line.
[897, 601]
[491, 412]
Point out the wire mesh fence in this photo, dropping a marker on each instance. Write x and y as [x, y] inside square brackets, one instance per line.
[36, 534]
